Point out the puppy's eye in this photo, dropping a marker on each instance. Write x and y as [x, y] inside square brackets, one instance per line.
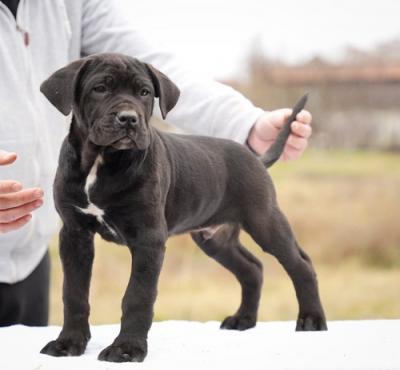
[100, 89]
[144, 92]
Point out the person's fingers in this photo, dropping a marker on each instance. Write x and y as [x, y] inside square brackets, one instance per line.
[7, 157]
[294, 148]
[304, 117]
[269, 124]
[301, 129]
[20, 198]
[291, 153]
[9, 186]
[12, 214]
[297, 143]
[267, 127]
[4, 228]
[278, 117]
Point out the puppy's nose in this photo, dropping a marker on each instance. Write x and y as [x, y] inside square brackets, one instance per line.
[127, 118]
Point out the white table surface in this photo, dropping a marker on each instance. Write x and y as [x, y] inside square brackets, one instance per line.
[353, 345]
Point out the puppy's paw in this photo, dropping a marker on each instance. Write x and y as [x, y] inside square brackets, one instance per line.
[311, 322]
[124, 351]
[239, 322]
[64, 347]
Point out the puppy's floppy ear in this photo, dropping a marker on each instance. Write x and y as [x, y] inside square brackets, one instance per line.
[59, 88]
[165, 89]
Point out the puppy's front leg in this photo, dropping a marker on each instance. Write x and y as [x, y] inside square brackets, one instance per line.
[137, 306]
[77, 252]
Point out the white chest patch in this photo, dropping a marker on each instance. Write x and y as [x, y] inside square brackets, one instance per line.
[92, 209]
[92, 176]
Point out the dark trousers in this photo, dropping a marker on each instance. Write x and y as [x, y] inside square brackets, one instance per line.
[27, 302]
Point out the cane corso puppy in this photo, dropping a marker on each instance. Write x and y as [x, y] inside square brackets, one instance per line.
[134, 185]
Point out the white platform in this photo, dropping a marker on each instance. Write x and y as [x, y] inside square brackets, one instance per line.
[352, 345]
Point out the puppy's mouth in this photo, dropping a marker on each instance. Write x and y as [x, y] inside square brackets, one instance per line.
[122, 139]
[126, 142]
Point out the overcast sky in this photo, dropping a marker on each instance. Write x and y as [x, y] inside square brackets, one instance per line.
[216, 35]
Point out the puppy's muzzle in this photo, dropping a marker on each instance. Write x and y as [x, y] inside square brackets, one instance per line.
[127, 119]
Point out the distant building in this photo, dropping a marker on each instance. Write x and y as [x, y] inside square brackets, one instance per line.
[355, 104]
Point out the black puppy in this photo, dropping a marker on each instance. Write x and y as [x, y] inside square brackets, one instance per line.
[134, 185]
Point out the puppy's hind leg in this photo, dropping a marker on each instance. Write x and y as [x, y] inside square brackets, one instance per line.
[225, 248]
[270, 229]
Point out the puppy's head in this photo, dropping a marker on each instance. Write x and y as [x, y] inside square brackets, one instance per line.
[112, 97]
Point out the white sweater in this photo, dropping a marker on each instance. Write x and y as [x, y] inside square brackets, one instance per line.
[61, 31]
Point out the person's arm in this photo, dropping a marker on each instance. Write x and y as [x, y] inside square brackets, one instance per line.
[205, 106]
[16, 203]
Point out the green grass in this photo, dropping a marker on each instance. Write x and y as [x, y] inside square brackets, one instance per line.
[356, 164]
[344, 204]
[344, 208]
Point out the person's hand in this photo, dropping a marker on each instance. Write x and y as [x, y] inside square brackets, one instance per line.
[16, 203]
[267, 127]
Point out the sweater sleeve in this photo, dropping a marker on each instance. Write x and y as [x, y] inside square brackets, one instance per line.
[205, 106]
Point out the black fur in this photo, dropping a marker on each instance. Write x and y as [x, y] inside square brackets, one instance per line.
[151, 185]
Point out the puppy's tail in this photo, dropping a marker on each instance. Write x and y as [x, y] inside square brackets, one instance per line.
[276, 149]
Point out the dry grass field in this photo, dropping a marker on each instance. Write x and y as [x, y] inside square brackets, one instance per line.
[345, 210]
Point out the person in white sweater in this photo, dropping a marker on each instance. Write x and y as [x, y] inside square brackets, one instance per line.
[40, 36]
